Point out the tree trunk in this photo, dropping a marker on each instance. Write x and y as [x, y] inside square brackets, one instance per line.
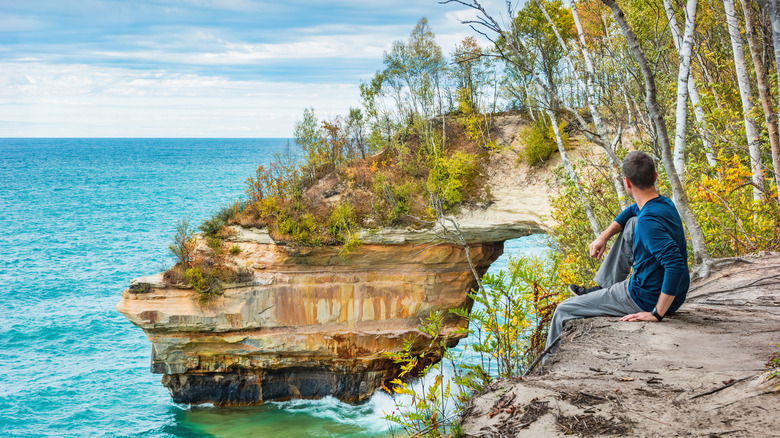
[701, 256]
[617, 179]
[693, 92]
[528, 101]
[747, 100]
[683, 74]
[594, 224]
[590, 74]
[762, 80]
[774, 11]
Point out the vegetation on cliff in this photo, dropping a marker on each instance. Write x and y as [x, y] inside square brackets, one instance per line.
[406, 152]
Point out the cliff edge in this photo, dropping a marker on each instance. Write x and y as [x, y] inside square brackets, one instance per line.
[702, 372]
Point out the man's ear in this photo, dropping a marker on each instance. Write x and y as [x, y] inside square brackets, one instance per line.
[655, 178]
[628, 183]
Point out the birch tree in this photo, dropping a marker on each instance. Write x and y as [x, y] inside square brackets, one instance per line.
[693, 92]
[751, 130]
[589, 94]
[774, 13]
[520, 60]
[683, 76]
[762, 79]
[701, 255]
[594, 223]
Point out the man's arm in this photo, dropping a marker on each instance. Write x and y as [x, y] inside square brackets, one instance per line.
[664, 301]
[598, 246]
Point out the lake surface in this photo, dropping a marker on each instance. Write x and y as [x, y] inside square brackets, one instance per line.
[79, 218]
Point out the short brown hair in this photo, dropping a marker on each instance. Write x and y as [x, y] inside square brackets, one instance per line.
[639, 168]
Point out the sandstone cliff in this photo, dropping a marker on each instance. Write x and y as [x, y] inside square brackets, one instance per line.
[310, 324]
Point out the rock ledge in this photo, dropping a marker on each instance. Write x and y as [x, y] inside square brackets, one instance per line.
[656, 379]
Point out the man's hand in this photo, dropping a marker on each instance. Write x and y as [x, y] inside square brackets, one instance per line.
[641, 316]
[597, 247]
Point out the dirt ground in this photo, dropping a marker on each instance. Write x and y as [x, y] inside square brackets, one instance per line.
[701, 372]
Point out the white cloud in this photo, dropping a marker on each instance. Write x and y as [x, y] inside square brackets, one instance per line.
[220, 51]
[87, 101]
[61, 84]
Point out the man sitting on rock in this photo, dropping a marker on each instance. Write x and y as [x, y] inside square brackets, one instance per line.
[652, 238]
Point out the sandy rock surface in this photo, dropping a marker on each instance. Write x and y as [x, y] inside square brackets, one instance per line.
[701, 372]
[521, 192]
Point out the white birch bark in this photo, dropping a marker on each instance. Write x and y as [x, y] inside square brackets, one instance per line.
[594, 223]
[528, 101]
[701, 256]
[681, 115]
[693, 92]
[743, 81]
[774, 11]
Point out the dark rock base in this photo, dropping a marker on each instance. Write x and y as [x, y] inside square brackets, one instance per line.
[252, 387]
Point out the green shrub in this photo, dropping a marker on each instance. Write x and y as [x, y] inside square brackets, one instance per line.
[216, 245]
[539, 141]
[206, 285]
[342, 226]
[183, 244]
[302, 230]
[427, 415]
[235, 249]
[477, 127]
[452, 177]
[213, 225]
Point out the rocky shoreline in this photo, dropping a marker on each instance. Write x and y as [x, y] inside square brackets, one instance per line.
[701, 372]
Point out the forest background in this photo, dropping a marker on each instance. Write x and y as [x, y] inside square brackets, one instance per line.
[694, 84]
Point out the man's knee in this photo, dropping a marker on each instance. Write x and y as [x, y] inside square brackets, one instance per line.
[628, 230]
[566, 307]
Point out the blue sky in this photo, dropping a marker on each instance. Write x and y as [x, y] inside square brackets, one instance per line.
[194, 68]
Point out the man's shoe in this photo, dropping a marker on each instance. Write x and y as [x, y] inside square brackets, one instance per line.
[580, 290]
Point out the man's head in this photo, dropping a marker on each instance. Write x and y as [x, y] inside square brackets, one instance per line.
[639, 169]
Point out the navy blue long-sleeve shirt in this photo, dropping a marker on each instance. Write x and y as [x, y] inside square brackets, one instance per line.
[660, 254]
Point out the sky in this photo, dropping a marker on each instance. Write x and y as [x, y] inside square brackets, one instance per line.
[195, 68]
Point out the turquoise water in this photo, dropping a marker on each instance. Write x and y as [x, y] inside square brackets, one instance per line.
[79, 218]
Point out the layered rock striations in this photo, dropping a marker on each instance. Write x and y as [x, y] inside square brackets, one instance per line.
[310, 323]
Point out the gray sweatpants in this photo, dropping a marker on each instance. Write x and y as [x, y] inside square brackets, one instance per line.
[613, 299]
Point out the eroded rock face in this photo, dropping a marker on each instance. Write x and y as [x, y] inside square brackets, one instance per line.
[310, 324]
